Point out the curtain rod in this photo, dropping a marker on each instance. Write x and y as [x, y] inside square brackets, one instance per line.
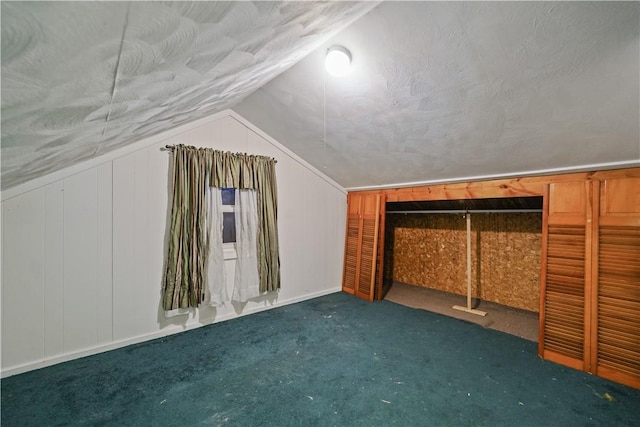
[172, 147]
[468, 211]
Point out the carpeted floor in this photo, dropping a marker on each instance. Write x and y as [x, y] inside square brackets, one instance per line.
[330, 361]
[513, 321]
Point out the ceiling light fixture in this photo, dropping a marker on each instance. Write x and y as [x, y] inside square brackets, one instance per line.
[338, 61]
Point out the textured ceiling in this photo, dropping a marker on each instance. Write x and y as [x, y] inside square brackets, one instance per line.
[439, 90]
[82, 78]
[443, 90]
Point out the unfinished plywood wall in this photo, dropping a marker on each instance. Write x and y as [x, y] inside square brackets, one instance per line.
[429, 250]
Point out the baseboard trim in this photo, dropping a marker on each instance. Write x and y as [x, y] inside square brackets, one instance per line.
[171, 330]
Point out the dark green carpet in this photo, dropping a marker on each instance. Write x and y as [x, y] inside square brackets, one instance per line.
[331, 361]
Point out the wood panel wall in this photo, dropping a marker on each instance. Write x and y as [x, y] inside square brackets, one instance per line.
[429, 250]
[510, 187]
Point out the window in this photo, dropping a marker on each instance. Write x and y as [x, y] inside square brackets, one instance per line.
[228, 215]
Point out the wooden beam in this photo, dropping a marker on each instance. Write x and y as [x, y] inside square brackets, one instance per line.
[514, 187]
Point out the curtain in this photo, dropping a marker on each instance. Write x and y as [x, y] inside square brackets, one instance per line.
[247, 172]
[216, 275]
[246, 283]
[185, 273]
[188, 261]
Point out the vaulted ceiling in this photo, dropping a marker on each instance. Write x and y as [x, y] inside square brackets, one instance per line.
[80, 79]
[438, 91]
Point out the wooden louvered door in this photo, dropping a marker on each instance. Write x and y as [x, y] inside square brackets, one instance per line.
[565, 276]
[352, 244]
[363, 221]
[615, 301]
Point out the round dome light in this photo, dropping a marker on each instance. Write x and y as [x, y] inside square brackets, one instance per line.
[338, 61]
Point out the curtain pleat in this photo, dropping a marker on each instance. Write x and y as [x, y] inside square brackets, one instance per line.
[173, 272]
[185, 281]
[268, 253]
[246, 282]
[185, 271]
[217, 286]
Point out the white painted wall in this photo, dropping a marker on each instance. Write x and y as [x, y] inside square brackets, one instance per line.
[83, 248]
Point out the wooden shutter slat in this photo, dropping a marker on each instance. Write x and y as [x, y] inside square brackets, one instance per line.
[625, 270]
[627, 339]
[618, 298]
[613, 313]
[626, 368]
[571, 230]
[615, 356]
[564, 292]
[612, 351]
[627, 301]
[565, 282]
[616, 281]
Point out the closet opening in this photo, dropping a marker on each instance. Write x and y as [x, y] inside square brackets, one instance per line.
[430, 245]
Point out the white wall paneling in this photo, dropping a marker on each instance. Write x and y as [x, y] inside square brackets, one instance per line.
[105, 253]
[336, 236]
[23, 268]
[291, 213]
[231, 135]
[54, 269]
[80, 253]
[123, 247]
[157, 228]
[315, 231]
[83, 251]
[143, 319]
[255, 144]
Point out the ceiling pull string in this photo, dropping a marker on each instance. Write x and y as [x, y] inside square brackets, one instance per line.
[324, 117]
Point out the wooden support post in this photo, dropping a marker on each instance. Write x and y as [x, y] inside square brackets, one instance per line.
[468, 308]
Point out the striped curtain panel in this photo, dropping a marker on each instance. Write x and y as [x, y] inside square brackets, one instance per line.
[185, 279]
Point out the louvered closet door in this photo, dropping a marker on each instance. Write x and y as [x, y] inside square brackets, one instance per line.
[616, 299]
[363, 217]
[352, 244]
[370, 220]
[565, 274]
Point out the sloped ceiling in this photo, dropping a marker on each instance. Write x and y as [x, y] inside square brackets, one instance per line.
[438, 90]
[444, 90]
[82, 78]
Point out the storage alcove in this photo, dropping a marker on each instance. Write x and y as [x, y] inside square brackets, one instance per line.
[426, 246]
[588, 262]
